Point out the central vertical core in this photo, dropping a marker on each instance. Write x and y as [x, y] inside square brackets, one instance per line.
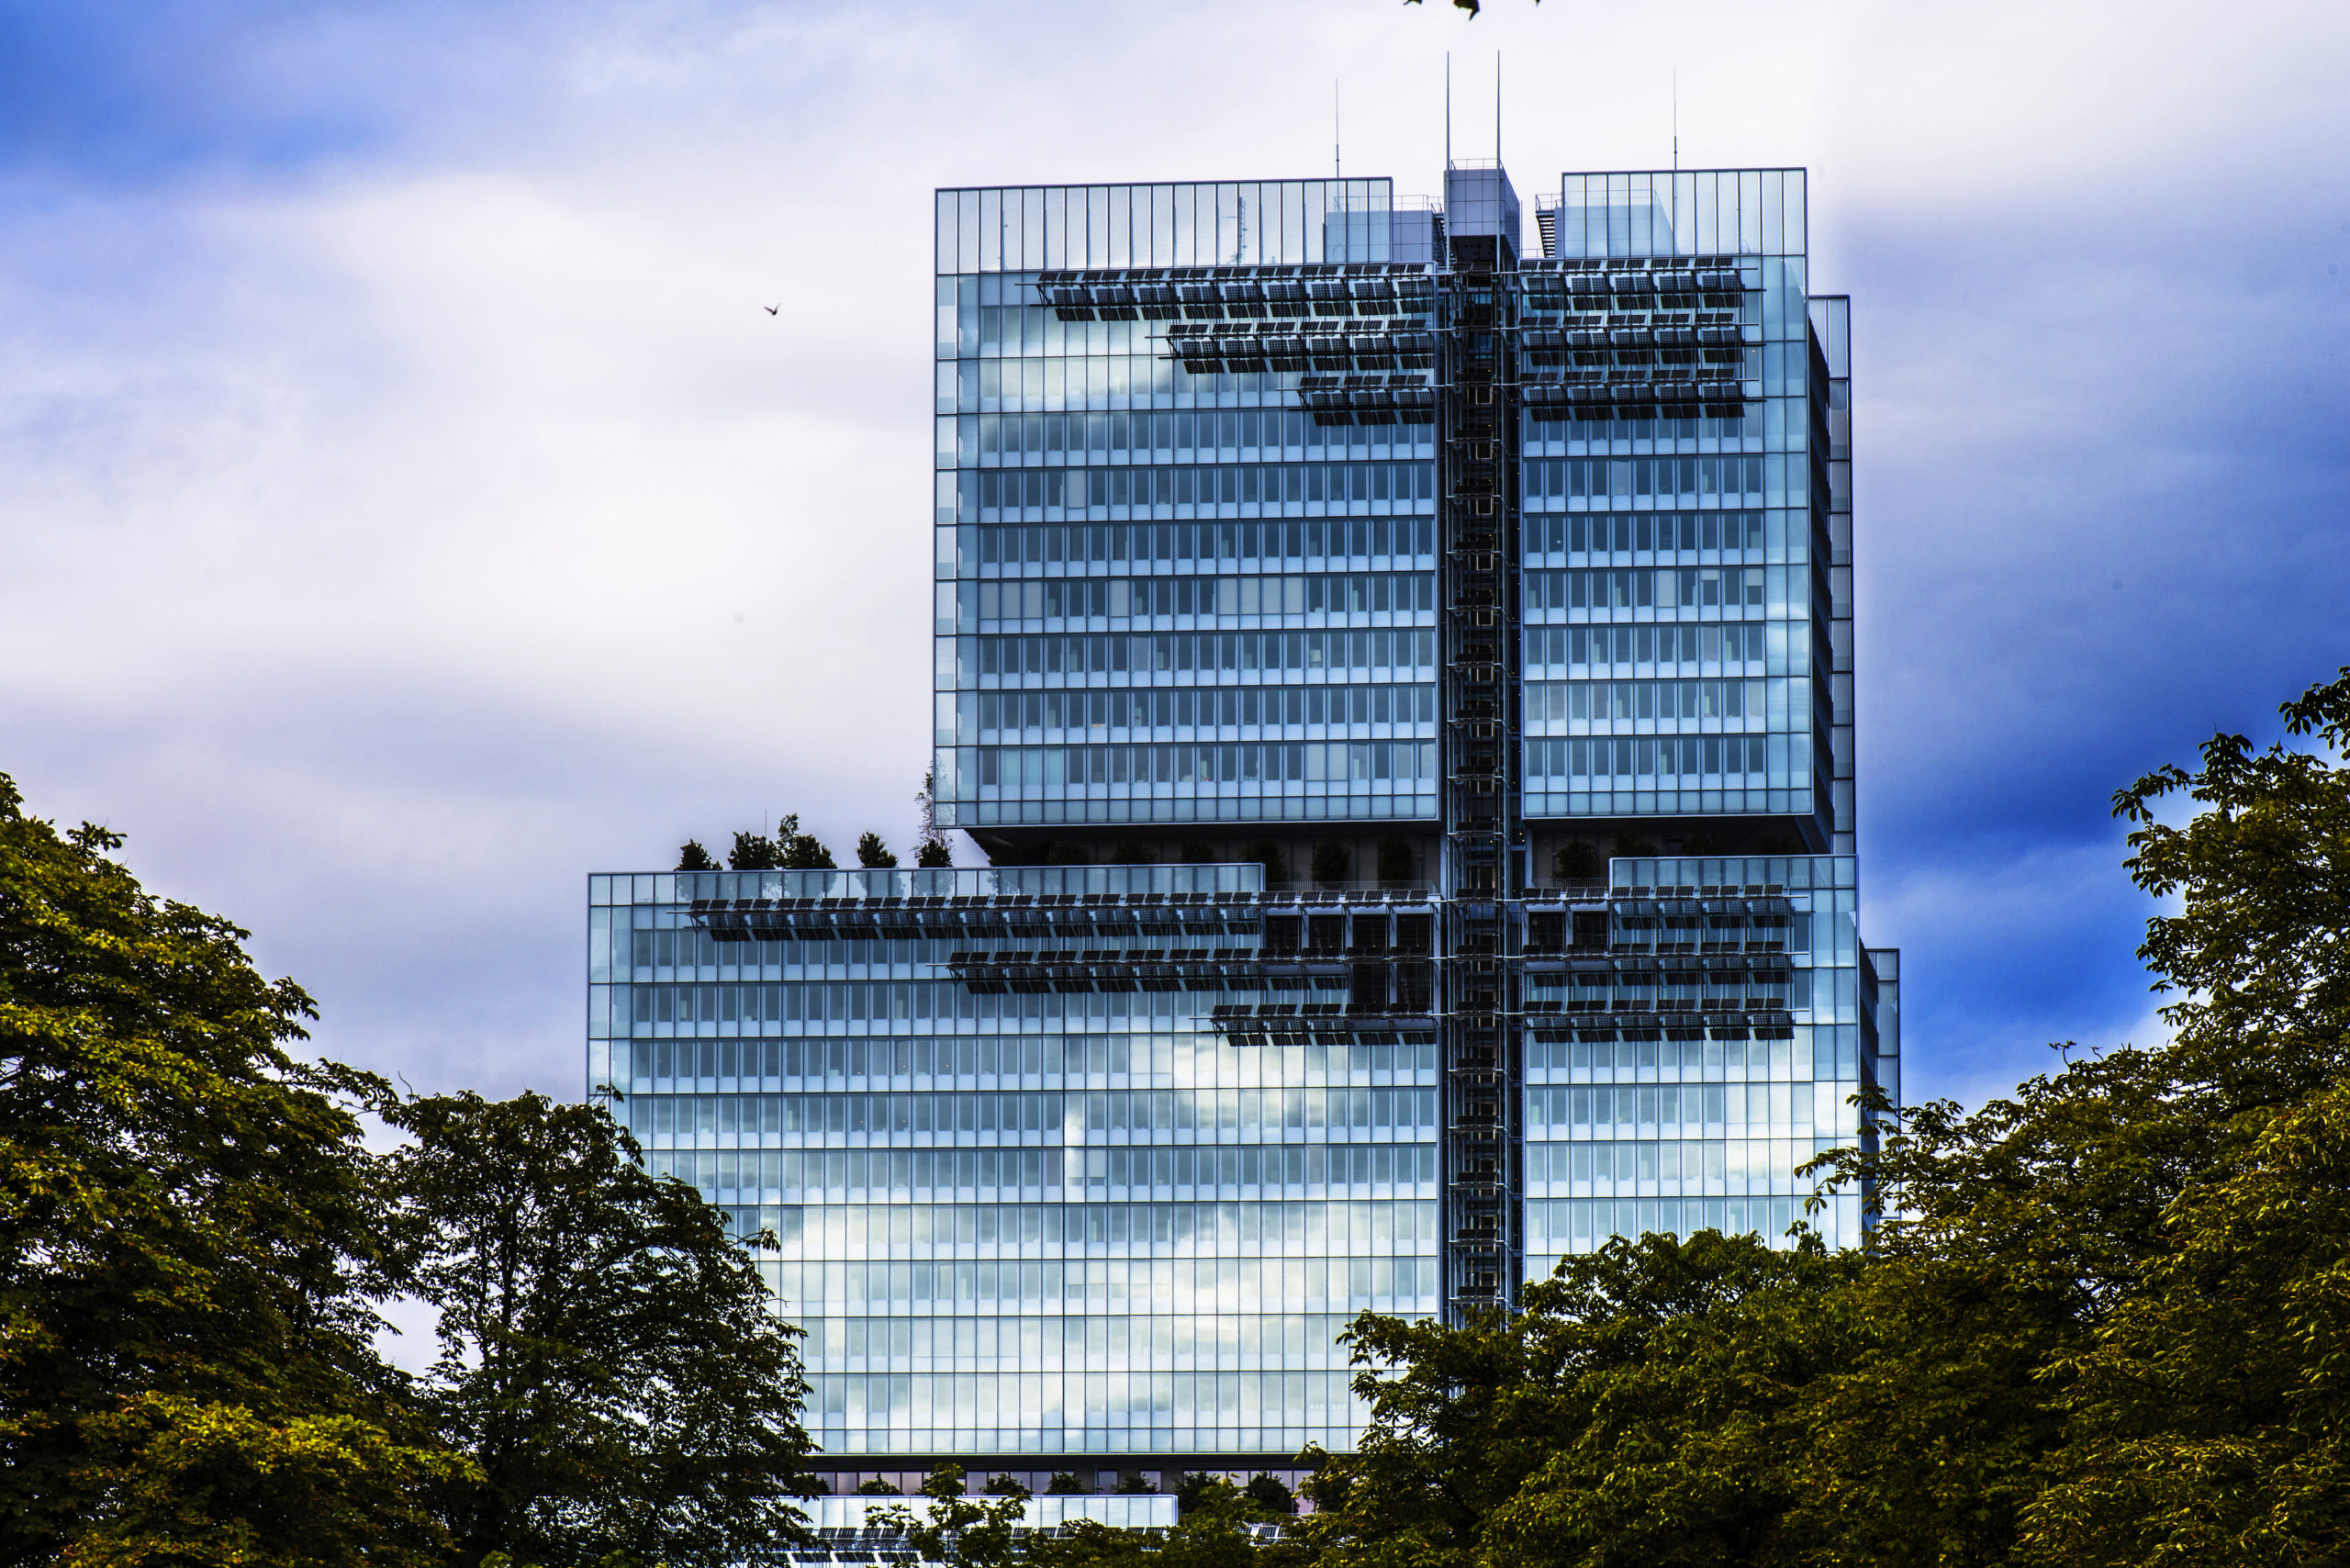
[1478, 681]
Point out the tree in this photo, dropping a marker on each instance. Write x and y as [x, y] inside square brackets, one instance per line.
[1271, 1494]
[1576, 861]
[954, 1528]
[1396, 861]
[1268, 854]
[1214, 1532]
[871, 853]
[190, 1250]
[1332, 863]
[753, 852]
[1066, 1484]
[1129, 853]
[610, 1357]
[930, 844]
[799, 851]
[1632, 1412]
[692, 856]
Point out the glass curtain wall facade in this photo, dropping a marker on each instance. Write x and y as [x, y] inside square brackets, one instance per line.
[1402, 678]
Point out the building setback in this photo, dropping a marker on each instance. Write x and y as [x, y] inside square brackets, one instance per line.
[1404, 687]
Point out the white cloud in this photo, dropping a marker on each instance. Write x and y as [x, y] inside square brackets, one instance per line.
[378, 522]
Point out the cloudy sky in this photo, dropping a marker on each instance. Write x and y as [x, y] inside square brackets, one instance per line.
[409, 506]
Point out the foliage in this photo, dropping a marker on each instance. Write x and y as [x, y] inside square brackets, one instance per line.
[1271, 1494]
[692, 856]
[1212, 1533]
[874, 1486]
[1396, 862]
[189, 1245]
[1331, 862]
[930, 844]
[1576, 861]
[789, 850]
[1129, 853]
[609, 1359]
[1268, 854]
[1135, 1485]
[1066, 1484]
[956, 1529]
[872, 854]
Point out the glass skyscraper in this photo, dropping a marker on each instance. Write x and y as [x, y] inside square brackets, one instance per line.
[1402, 676]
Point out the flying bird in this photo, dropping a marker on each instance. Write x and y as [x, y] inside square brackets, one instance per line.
[772, 309]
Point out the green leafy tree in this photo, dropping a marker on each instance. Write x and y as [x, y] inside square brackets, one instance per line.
[1214, 1532]
[1268, 854]
[610, 1357]
[692, 856]
[799, 851]
[955, 1528]
[1066, 1484]
[1396, 861]
[190, 1247]
[930, 844]
[1632, 1412]
[753, 852]
[1576, 861]
[1332, 863]
[871, 853]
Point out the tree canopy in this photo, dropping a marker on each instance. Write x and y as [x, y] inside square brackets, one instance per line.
[608, 1362]
[190, 1244]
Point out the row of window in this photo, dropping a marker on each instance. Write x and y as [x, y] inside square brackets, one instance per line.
[1823, 1049]
[1226, 1341]
[1179, 436]
[1263, 656]
[1669, 587]
[1378, 766]
[1726, 480]
[1167, 1115]
[1730, 642]
[1035, 1175]
[1606, 701]
[1705, 1109]
[985, 495]
[1078, 599]
[1199, 708]
[852, 1231]
[1165, 546]
[1153, 1285]
[992, 1061]
[1580, 1224]
[1743, 761]
[1086, 1404]
[1672, 1167]
[1663, 532]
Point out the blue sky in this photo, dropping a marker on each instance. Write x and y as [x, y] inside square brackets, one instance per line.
[409, 506]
